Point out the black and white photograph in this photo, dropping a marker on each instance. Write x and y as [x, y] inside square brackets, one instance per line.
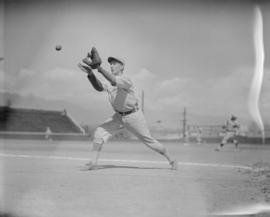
[134, 108]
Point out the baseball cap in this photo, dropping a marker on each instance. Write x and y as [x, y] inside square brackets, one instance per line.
[233, 117]
[120, 60]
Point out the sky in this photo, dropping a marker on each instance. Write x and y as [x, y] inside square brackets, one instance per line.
[197, 55]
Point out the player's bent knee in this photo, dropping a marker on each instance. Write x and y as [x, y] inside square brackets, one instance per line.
[98, 141]
[98, 132]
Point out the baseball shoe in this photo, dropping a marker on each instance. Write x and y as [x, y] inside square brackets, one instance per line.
[90, 166]
[174, 164]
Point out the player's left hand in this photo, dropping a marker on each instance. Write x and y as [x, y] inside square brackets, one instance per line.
[85, 68]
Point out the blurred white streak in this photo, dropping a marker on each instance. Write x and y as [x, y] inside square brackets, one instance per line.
[1, 184]
[256, 85]
[245, 210]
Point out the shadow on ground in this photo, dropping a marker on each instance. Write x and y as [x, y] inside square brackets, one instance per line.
[109, 166]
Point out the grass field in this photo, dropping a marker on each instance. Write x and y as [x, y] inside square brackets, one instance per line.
[42, 178]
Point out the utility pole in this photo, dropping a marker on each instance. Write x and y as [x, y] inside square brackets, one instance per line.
[184, 123]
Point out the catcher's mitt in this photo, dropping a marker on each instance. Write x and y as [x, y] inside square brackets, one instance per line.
[93, 59]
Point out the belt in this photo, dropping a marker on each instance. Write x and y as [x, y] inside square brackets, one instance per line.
[128, 112]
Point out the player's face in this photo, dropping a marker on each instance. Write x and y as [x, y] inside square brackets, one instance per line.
[116, 67]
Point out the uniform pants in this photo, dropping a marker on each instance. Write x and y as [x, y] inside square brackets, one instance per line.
[134, 122]
[230, 136]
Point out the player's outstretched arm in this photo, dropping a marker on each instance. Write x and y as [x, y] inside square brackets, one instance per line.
[109, 76]
[95, 82]
[91, 77]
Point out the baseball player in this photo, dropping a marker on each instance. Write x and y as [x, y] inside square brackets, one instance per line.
[122, 97]
[231, 129]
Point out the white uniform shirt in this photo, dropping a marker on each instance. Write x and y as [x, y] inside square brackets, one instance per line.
[122, 96]
[232, 126]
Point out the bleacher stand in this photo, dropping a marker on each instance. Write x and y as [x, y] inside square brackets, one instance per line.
[21, 121]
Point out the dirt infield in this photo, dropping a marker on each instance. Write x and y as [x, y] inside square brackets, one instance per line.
[40, 178]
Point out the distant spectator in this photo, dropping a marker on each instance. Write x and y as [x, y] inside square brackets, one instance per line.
[64, 112]
[199, 135]
[48, 134]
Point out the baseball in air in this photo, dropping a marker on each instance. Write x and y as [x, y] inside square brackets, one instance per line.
[58, 47]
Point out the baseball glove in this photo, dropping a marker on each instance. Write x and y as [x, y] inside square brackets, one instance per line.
[224, 127]
[85, 69]
[93, 59]
[236, 126]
